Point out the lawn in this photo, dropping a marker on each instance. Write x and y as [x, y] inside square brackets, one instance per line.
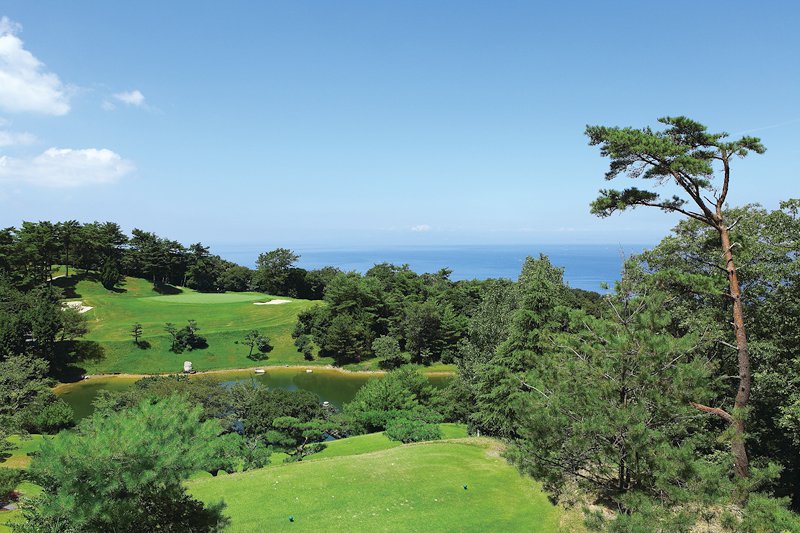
[223, 319]
[418, 487]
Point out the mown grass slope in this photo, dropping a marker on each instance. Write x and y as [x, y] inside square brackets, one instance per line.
[222, 318]
[417, 487]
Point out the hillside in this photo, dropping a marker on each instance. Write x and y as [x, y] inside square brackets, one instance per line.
[223, 319]
[417, 487]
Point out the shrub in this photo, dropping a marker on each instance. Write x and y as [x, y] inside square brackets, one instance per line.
[408, 430]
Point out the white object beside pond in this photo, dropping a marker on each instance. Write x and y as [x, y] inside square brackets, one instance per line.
[187, 366]
[308, 371]
[259, 370]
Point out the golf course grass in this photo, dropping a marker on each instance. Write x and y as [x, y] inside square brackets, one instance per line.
[415, 487]
[223, 319]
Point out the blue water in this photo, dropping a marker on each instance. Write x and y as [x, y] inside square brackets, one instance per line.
[586, 266]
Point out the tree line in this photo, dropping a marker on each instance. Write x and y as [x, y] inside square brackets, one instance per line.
[28, 255]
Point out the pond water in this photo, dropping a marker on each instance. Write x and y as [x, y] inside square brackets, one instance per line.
[331, 386]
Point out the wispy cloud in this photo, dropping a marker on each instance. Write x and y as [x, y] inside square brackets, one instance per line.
[108, 106]
[769, 127]
[24, 83]
[66, 168]
[421, 227]
[134, 98]
[12, 138]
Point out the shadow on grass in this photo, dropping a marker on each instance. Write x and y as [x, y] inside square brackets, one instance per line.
[69, 284]
[66, 365]
[166, 290]
[143, 345]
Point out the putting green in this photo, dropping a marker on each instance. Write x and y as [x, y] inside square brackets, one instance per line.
[206, 298]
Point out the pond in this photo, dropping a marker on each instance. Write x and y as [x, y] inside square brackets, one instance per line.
[331, 386]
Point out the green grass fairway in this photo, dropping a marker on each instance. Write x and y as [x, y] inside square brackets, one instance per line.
[205, 298]
[416, 487]
[222, 318]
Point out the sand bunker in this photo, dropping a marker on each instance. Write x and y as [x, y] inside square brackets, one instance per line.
[273, 302]
[79, 306]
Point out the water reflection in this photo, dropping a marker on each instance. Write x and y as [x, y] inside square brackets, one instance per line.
[331, 386]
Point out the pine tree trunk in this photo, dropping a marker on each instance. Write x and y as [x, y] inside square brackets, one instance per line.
[741, 466]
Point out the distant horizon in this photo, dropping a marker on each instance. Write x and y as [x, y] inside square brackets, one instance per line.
[586, 265]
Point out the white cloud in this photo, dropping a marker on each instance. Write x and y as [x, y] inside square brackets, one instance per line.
[421, 227]
[66, 168]
[11, 138]
[134, 98]
[24, 85]
[108, 106]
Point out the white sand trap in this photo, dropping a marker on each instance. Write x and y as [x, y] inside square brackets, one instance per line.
[79, 306]
[273, 302]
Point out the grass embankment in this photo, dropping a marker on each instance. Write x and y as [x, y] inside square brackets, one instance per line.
[222, 319]
[369, 483]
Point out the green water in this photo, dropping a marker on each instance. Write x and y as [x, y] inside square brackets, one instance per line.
[331, 386]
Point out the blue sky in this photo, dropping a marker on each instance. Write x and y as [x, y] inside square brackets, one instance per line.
[299, 124]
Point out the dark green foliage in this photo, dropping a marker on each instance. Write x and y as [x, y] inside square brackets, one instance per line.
[630, 427]
[47, 414]
[387, 349]
[541, 298]
[203, 271]
[74, 324]
[258, 341]
[236, 278]
[425, 314]
[188, 338]
[683, 152]
[204, 391]
[124, 472]
[170, 328]
[21, 379]
[110, 275]
[231, 450]
[288, 420]
[685, 155]
[408, 430]
[308, 352]
[272, 274]
[688, 265]
[9, 479]
[400, 393]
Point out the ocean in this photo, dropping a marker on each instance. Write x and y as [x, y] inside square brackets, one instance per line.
[586, 266]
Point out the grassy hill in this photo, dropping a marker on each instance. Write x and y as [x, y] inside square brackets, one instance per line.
[222, 318]
[417, 487]
[369, 483]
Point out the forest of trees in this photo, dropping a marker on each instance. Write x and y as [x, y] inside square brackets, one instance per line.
[28, 255]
